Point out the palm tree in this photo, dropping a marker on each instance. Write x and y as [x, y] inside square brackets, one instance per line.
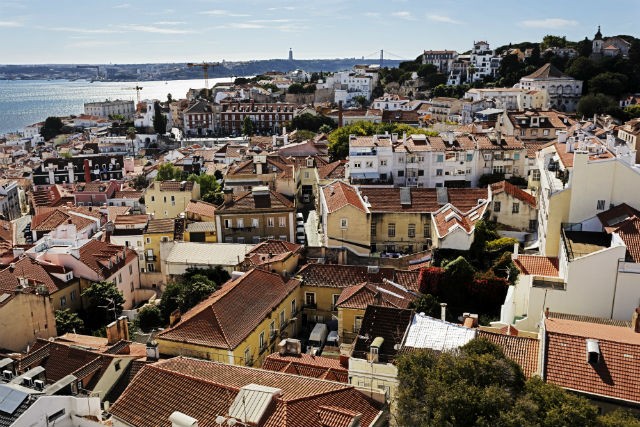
[131, 134]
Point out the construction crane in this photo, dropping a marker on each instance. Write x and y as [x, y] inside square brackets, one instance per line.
[137, 89]
[205, 68]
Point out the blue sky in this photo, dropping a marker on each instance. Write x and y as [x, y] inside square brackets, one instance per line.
[138, 31]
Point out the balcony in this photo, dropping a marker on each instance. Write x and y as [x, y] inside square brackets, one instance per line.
[547, 283]
[150, 257]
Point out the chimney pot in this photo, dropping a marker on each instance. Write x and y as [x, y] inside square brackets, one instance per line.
[635, 320]
[443, 311]
[546, 313]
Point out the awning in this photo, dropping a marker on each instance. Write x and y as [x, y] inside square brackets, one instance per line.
[365, 175]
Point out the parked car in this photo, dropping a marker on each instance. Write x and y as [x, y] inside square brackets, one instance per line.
[317, 339]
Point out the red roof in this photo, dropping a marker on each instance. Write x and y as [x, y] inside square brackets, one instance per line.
[537, 265]
[629, 232]
[205, 390]
[512, 190]
[615, 375]
[522, 350]
[365, 294]
[341, 276]
[229, 315]
[338, 195]
[306, 365]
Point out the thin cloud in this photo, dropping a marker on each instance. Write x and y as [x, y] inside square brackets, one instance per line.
[403, 15]
[122, 6]
[10, 24]
[154, 29]
[549, 23]
[281, 8]
[244, 26]
[372, 14]
[79, 30]
[169, 23]
[221, 12]
[443, 19]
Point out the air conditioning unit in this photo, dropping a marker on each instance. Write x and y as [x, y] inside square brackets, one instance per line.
[7, 374]
[38, 385]
[27, 381]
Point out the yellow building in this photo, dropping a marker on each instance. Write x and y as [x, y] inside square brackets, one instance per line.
[345, 218]
[168, 199]
[513, 207]
[276, 256]
[239, 324]
[158, 231]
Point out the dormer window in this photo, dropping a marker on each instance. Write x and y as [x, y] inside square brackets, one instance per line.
[593, 351]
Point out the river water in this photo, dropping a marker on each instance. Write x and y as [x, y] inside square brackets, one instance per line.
[23, 102]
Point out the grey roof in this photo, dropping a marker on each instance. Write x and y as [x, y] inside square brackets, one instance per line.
[436, 334]
[208, 253]
[200, 227]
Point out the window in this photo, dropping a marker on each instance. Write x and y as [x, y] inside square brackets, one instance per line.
[74, 295]
[400, 174]
[51, 418]
[240, 222]
[150, 267]
[440, 158]
[421, 172]
[373, 229]
[294, 309]
[357, 164]
[357, 324]
[420, 158]
[368, 164]
[228, 223]
[545, 132]
[411, 231]
[343, 222]
[247, 357]
[533, 224]
[282, 320]
[130, 269]
[516, 156]
[270, 222]
[498, 169]
[383, 163]
[164, 199]
[63, 301]
[283, 238]
[310, 298]
[536, 175]
[240, 239]
[391, 230]
[164, 239]
[282, 221]
[153, 198]
[426, 231]
[255, 222]
[334, 301]
[306, 175]
[496, 206]
[173, 200]
[262, 346]
[469, 157]
[438, 172]
[148, 239]
[120, 278]
[515, 208]
[600, 205]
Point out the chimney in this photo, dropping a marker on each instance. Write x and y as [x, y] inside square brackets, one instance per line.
[152, 350]
[87, 171]
[443, 311]
[546, 313]
[228, 195]
[340, 114]
[499, 137]
[516, 249]
[174, 317]
[635, 320]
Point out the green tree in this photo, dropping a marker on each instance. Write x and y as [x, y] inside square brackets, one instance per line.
[167, 172]
[195, 290]
[218, 175]
[595, 104]
[140, 182]
[584, 47]
[427, 304]
[149, 317]
[248, 127]
[52, 127]
[618, 418]
[632, 111]
[612, 84]
[312, 122]
[131, 134]
[169, 301]
[553, 41]
[105, 302]
[582, 68]
[361, 101]
[68, 321]
[159, 119]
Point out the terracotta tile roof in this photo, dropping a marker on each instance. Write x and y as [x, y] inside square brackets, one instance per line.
[489, 142]
[335, 170]
[389, 323]
[248, 201]
[275, 247]
[104, 258]
[35, 272]
[615, 375]
[164, 225]
[589, 319]
[308, 366]
[232, 312]
[333, 416]
[548, 70]
[338, 195]
[422, 199]
[617, 214]
[370, 141]
[457, 143]
[128, 194]
[512, 190]
[629, 232]
[449, 218]
[522, 350]
[48, 221]
[201, 208]
[131, 219]
[341, 276]
[365, 294]
[176, 186]
[204, 390]
[537, 265]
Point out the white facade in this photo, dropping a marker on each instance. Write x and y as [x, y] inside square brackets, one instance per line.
[62, 411]
[511, 98]
[348, 85]
[108, 108]
[484, 62]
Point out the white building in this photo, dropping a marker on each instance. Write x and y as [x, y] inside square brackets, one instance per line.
[511, 98]
[483, 62]
[564, 91]
[441, 59]
[110, 108]
[392, 102]
[348, 85]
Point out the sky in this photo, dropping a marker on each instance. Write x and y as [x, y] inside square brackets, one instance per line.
[143, 31]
